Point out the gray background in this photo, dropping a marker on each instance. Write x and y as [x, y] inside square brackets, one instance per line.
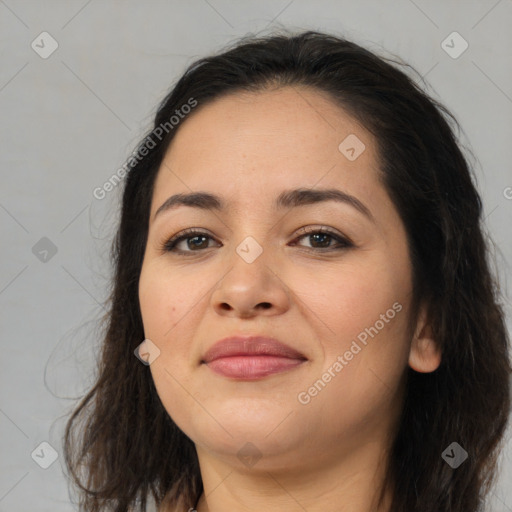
[70, 120]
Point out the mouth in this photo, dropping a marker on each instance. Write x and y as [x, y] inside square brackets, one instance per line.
[252, 367]
[250, 358]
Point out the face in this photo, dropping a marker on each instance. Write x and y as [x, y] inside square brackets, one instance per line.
[340, 297]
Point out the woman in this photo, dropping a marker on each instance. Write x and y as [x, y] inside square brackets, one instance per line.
[302, 277]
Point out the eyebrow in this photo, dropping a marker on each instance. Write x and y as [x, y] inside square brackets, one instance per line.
[287, 199]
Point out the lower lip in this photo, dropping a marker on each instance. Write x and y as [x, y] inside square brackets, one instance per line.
[252, 367]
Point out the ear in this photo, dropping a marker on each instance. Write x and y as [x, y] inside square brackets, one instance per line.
[425, 353]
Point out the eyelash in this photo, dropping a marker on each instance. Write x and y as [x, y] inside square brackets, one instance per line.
[170, 244]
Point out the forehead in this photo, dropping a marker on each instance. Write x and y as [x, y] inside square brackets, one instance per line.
[270, 121]
[253, 143]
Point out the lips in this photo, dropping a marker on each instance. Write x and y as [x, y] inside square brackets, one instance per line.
[250, 346]
[251, 357]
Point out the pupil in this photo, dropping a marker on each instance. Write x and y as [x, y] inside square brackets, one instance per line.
[324, 235]
[197, 238]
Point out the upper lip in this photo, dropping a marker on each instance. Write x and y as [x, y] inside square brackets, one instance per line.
[250, 345]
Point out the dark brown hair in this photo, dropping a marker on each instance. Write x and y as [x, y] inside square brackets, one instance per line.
[128, 445]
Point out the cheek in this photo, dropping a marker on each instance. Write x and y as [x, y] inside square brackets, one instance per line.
[166, 304]
[358, 381]
[356, 296]
[164, 301]
[366, 308]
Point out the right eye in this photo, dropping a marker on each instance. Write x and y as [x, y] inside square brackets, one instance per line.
[195, 239]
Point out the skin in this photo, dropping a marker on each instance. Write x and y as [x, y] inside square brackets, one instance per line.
[327, 454]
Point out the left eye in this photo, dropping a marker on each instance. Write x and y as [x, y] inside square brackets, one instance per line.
[197, 240]
[324, 237]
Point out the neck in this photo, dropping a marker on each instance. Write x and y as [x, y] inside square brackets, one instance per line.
[351, 483]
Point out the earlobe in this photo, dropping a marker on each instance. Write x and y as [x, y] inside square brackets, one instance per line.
[425, 353]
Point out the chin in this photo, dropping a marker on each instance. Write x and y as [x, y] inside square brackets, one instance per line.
[249, 433]
[252, 452]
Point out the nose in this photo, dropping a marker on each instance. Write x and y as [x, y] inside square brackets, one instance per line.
[250, 289]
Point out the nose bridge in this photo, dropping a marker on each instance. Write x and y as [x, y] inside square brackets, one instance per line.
[251, 233]
[250, 262]
[252, 280]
